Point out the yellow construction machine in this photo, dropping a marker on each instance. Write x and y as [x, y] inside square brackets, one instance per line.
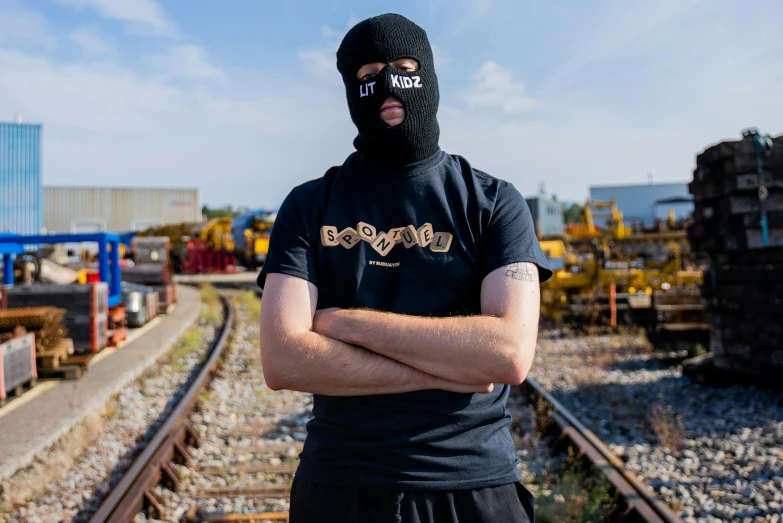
[609, 274]
[216, 235]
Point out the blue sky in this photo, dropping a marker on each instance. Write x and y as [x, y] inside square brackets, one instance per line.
[241, 98]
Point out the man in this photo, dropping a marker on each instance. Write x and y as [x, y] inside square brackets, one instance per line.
[402, 290]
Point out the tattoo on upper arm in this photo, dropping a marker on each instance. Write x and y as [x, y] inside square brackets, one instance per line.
[520, 271]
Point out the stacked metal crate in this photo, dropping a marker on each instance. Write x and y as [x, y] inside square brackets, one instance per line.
[152, 267]
[738, 221]
[17, 366]
[86, 305]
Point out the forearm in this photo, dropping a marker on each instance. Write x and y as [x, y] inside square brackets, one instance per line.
[467, 349]
[310, 362]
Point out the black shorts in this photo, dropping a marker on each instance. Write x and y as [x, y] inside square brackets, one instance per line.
[319, 503]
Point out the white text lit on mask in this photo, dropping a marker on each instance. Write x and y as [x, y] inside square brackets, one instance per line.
[366, 90]
[406, 82]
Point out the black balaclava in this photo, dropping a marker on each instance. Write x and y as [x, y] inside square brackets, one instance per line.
[386, 38]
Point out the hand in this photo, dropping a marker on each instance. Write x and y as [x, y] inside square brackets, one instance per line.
[323, 321]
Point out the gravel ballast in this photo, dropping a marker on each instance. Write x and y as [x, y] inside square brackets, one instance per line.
[714, 454]
[109, 439]
[237, 419]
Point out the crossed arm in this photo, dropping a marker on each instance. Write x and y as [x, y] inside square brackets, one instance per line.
[347, 352]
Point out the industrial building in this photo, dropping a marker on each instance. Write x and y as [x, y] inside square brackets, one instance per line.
[117, 209]
[20, 178]
[547, 216]
[643, 204]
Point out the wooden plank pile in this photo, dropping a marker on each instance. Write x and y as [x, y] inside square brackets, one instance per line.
[51, 346]
[86, 306]
[738, 222]
[44, 322]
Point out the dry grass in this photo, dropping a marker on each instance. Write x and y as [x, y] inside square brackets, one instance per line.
[669, 427]
[541, 413]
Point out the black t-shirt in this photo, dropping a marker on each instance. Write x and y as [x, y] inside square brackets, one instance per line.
[416, 240]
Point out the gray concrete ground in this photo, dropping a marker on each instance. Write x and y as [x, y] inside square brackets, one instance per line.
[35, 424]
[237, 277]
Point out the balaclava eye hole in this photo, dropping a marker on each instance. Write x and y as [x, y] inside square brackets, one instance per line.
[401, 69]
[385, 39]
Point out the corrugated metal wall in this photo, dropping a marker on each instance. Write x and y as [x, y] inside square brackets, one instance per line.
[638, 201]
[20, 178]
[117, 209]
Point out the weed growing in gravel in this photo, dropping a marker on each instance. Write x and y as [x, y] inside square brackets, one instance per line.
[252, 305]
[669, 427]
[191, 341]
[576, 496]
[111, 412]
[209, 294]
[211, 314]
[204, 396]
[542, 415]
[211, 310]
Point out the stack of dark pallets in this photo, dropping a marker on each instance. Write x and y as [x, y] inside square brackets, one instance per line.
[737, 186]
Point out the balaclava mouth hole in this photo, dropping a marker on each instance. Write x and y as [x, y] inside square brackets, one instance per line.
[384, 39]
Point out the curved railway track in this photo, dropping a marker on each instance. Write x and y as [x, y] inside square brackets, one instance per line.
[134, 493]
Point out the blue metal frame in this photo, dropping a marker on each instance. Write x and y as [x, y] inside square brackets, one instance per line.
[108, 262]
[127, 238]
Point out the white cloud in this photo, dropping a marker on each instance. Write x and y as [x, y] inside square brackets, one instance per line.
[494, 87]
[248, 138]
[108, 125]
[143, 16]
[185, 61]
[443, 58]
[331, 34]
[24, 27]
[623, 29]
[92, 43]
[320, 61]
[470, 13]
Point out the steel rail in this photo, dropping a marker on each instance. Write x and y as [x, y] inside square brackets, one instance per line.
[643, 505]
[127, 498]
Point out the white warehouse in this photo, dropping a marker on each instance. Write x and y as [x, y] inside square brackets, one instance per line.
[117, 209]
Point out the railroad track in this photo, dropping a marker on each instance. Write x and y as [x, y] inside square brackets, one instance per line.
[637, 502]
[263, 475]
[135, 493]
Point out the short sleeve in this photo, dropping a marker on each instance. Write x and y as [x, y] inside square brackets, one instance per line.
[510, 236]
[290, 249]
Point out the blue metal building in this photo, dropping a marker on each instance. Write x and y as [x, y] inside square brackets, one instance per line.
[645, 203]
[20, 178]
